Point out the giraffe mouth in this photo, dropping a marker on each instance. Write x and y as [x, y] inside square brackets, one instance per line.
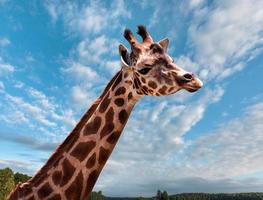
[192, 89]
[194, 85]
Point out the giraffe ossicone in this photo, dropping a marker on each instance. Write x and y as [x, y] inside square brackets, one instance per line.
[72, 170]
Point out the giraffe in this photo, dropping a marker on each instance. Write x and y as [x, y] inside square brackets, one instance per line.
[72, 170]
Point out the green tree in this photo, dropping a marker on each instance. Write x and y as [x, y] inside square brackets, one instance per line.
[165, 195]
[6, 182]
[18, 177]
[159, 195]
[96, 196]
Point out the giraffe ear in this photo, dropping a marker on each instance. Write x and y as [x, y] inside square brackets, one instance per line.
[125, 58]
[164, 43]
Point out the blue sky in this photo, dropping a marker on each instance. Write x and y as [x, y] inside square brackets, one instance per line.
[56, 57]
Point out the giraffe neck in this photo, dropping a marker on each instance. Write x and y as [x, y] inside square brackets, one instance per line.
[72, 173]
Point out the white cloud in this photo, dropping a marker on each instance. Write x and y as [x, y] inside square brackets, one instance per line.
[15, 117]
[96, 50]
[231, 70]
[37, 109]
[4, 42]
[18, 84]
[81, 97]
[231, 150]
[6, 68]
[81, 73]
[112, 66]
[187, 64]
[32, 110]
[158, 109]
[221, 38]
[90, 18]
[87, 78]
[2, 86]
[195, 3]
[84, 86]
[185, 121]
[42, 99]
[67, 117]
[52, 10]
[18, 166]
[93, 18]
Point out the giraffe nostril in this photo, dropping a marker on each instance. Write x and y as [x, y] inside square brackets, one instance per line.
[188, 77]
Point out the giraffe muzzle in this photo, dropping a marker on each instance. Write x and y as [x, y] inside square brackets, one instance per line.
[191, 82]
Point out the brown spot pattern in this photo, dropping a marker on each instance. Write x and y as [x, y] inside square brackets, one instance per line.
[169, 81]
[109, 115]
[119, 102]
[55, 197]
[110, 84]
[171, 89]
[143, 80]
[139, 93]
[93, 176]
[126, 75]
[40, 179]
[107, 129]
[44, 191]
[128, 82]
[27, 189]
[117, 81]
[130, 96]
[93, 126]
[103, 156]
[91, 161]
[75, 189]
[123, 115]
[68, 171]
[136, 83]
[82, 150]
[145, 89]
[120, 91]
[152, 84]
[56, 177]
[163, 90]
[104, 104]
[31, 197]
[112, 139]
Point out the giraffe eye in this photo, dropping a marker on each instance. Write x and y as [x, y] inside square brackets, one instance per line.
[144, 70]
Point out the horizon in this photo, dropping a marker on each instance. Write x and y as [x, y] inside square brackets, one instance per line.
[56, 58]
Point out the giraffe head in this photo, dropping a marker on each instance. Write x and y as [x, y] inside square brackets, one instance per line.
[153, 70]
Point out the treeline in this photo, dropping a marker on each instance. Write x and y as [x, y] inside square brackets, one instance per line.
[8, 180]
[186, 196]
[203, 196]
